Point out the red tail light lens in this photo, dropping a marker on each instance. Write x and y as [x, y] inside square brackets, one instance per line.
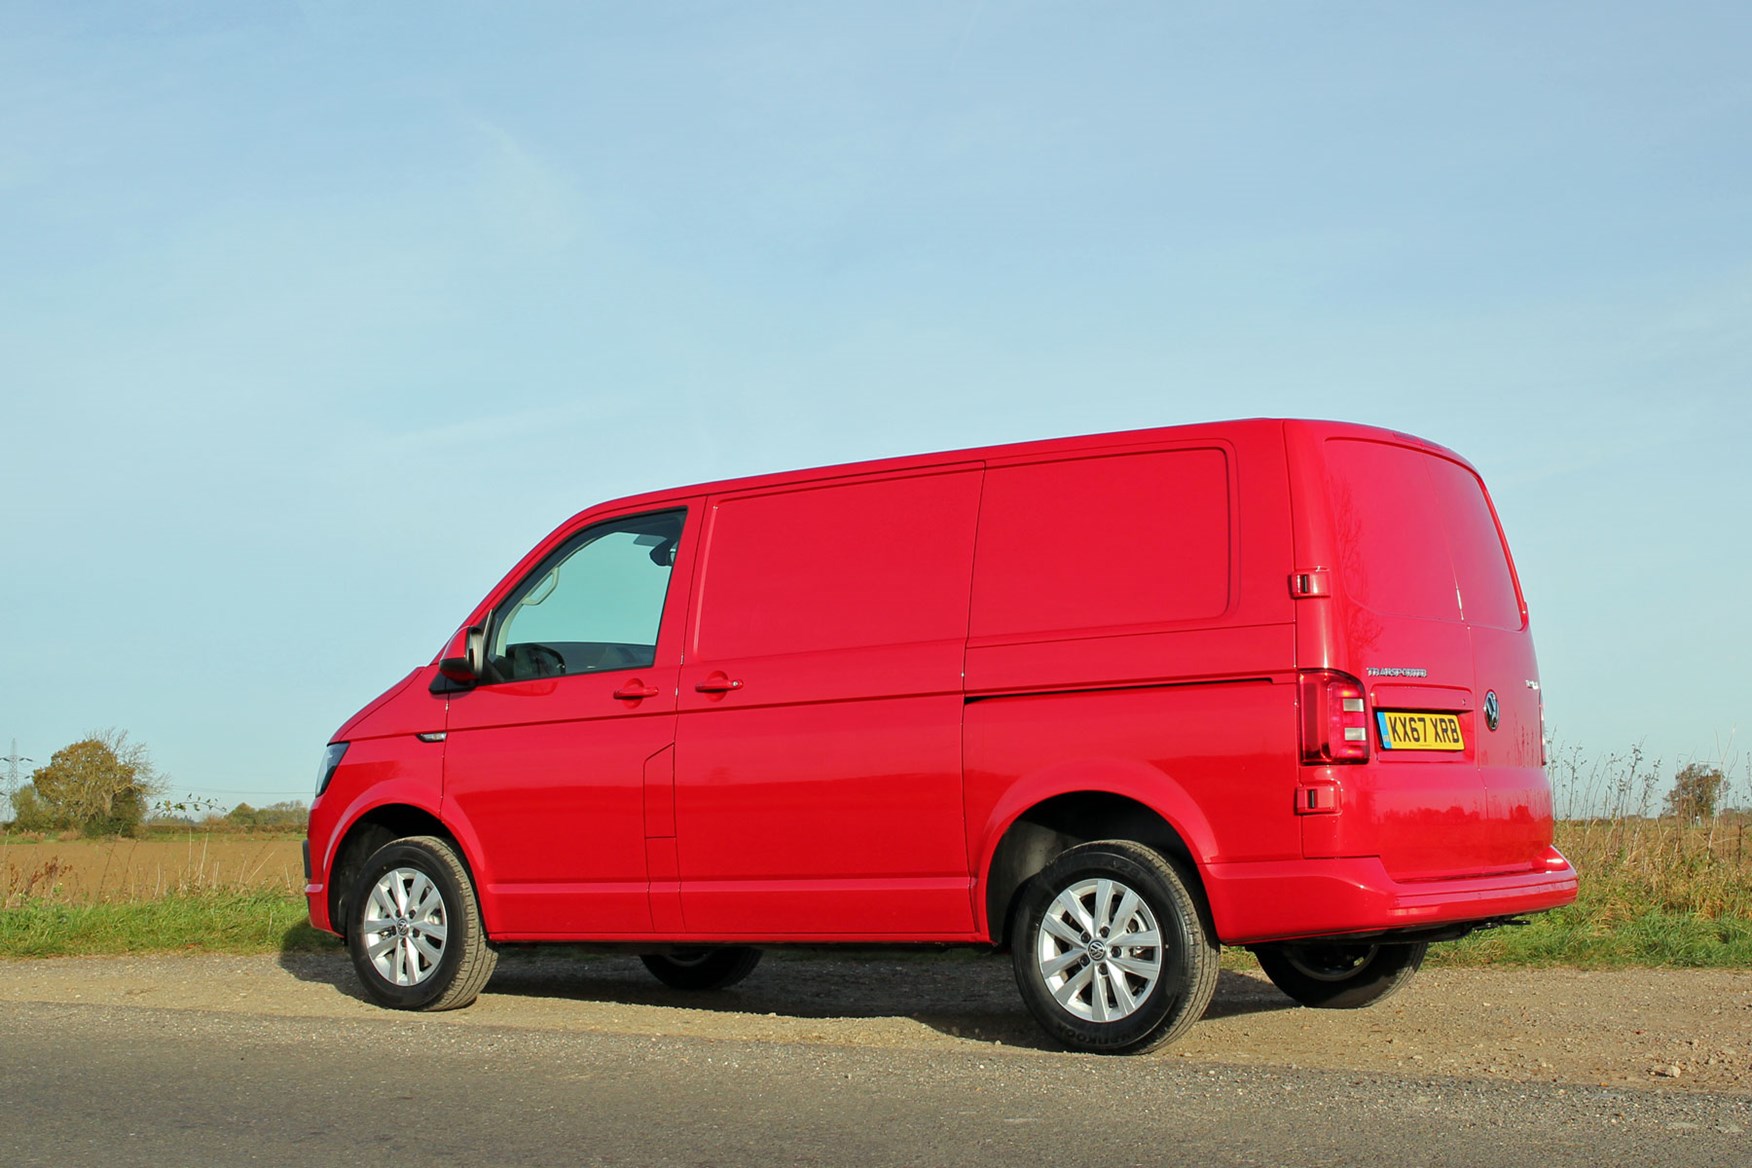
[1335, 718]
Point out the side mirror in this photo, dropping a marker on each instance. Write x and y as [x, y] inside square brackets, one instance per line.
[464, 659]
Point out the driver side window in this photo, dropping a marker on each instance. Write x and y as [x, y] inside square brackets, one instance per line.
[594, 605]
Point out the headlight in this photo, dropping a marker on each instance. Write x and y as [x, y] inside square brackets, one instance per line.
[331, 761]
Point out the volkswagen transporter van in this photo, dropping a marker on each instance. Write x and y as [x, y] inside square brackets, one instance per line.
[1108, 703]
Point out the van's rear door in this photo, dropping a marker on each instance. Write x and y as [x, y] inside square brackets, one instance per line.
[1425, 610]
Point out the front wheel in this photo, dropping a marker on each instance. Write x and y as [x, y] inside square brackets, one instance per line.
[1331, 975]
[1111, 954]
[414, 930]
[702, 969]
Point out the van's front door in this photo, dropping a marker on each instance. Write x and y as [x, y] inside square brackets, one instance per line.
[546, 759]
[818, 788]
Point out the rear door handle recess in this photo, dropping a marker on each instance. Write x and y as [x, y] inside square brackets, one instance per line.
[634, 690]
[717, 683]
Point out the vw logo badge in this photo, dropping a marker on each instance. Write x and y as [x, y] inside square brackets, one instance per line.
[1492, 712]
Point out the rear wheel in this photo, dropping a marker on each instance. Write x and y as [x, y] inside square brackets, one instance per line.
[1332, 975]
[414, 931]
[1111, 954]
[702, 969]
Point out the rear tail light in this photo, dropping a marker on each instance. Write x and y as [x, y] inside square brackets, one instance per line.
[1335, 718]
[1552, 861]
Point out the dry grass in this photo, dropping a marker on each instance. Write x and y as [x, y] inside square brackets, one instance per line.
[1631, 866]
[1654, 890]
[1633, 860]
[85, 872]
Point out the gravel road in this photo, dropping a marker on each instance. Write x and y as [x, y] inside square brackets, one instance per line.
[1684, 1030]
[866, 1058]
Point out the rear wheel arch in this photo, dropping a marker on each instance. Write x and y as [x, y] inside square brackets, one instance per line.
[1054, 826]
[1112, 953]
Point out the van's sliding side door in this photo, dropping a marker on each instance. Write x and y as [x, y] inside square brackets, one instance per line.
[818, 789]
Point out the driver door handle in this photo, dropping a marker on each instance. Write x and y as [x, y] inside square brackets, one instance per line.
[635, 690]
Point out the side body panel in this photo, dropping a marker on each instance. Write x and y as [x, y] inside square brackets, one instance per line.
[1131, 635]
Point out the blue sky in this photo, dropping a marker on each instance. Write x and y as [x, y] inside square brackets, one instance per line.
[313, 317]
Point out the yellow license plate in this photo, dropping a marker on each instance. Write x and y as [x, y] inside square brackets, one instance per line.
[1409, 731]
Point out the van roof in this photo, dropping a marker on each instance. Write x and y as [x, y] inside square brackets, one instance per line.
[1075, 444]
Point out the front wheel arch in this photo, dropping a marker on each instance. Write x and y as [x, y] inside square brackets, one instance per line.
[702, 968]
[414, 927]
[380, 825]
[1340, 975]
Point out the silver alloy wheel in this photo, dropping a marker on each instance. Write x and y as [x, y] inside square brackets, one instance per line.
[1099, 950]
[405, 926]
[1333, 963]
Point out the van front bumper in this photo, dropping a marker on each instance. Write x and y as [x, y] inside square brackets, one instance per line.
[316, 896]
[1293, 899]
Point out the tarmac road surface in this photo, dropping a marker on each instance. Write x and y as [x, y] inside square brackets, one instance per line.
[217, 1061]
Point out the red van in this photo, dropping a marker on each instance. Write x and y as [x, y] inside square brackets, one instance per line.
[1109, 702]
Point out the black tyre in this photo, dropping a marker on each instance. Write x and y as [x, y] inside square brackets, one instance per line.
[1112, 955]
[1332, 975]
[414, 928]
[702, 969]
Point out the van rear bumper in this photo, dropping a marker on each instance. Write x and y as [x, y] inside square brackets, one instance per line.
[1286, 900]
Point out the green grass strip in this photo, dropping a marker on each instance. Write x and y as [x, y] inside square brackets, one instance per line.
[1577, 938]
[209, 922]
[1582, 936]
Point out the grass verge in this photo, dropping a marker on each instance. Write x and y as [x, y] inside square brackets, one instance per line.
[1584, 935]
[1578, 937]
[196, 922]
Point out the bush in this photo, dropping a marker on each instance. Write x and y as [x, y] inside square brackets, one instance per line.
[31, 814]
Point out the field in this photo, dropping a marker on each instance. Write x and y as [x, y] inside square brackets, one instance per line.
[88, 871]
[219, 893]
[1654, 892]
